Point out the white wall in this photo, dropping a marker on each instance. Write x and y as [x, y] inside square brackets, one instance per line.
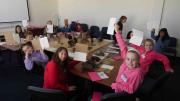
[40, 11]
[98, 12]
[171, 19]
[43, 10]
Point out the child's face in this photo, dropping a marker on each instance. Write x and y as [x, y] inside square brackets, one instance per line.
[29, 37]
[63, 55]
[131, 60]
[124, 20]
[148, 46]
[161, 34]
[27, 49]
[18, 29]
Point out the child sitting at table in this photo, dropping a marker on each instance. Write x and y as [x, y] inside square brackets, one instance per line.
[33, 57]
[130, 75]
[28, 36]
[18, 30]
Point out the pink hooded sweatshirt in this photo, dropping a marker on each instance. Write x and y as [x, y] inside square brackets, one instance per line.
[127, 80]
[146, 59]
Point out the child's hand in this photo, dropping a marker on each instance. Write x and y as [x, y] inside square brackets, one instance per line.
[27, 54]
[42, 51]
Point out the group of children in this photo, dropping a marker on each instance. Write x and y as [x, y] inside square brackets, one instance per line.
[135, 66]
[136, 63]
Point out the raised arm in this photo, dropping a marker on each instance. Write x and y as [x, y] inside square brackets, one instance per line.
[152, 34]
[28, 63]
[121, 42]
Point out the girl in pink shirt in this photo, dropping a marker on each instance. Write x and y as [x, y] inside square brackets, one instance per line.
[148, 55]
[130, 75]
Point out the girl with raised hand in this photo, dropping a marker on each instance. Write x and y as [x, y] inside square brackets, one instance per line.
[130, 75]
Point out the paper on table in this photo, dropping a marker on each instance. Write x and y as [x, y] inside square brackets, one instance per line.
[52, 49]
[25, 23]
[80, 56]
[95, 76]
[137, 37]
[96, 96]
[71, 54]
[49, 28]
[44, 42]
[102, 75]
[110, 30]
[152, 24]
[107, 66]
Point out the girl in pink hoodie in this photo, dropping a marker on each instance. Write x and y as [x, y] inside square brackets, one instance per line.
[148, 55]
[130, 75]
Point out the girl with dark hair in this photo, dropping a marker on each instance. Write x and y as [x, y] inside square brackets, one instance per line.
[162, 40]
[56, 71]
[18, 30]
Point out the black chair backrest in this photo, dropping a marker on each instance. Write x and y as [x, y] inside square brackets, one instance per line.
[73, 26]
[94, 29]
[173, 42]
[84, 27]
[154, 80]
[104, 33]
[118, 97]
[42, 94]
[104, 30]
[95, 32]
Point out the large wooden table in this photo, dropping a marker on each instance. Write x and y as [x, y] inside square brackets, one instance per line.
[98, 45]
[77, 70]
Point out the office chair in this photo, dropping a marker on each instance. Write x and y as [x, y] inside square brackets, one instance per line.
[153, 82]
[42, 94]
[84, 27]
[118, 97]
[95, 32]
[171, 49]
[104, 33]
[73, 26]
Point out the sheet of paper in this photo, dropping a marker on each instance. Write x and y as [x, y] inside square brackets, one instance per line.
[71, 54]
[152, 24]
[137, 37]
[94, 76]
[80, 56]
[102, 57]
[107, 66]
[102, 75]
[51, 49]
[25, 23]
[96, 96]
[44, 42]
[110, 30]
[49, 28]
